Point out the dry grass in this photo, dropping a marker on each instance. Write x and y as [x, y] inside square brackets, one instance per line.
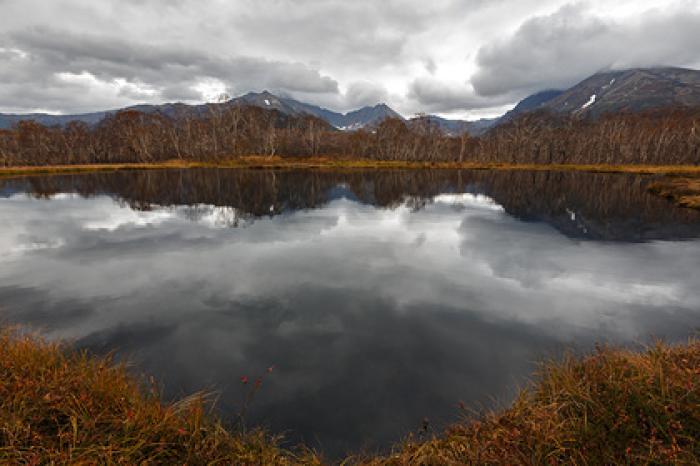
[262, 162]
[59, 406]
[684, 192]
[613, 407]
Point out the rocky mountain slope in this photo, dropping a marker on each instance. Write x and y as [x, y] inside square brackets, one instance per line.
[631, 90]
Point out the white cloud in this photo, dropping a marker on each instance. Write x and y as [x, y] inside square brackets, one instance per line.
[450, 56]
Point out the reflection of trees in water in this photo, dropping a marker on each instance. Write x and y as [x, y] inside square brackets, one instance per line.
[220, 216]
[589, 205]
[586, 205]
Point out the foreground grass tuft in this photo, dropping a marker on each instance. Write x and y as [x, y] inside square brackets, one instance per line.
[61, 406]
[613, 407]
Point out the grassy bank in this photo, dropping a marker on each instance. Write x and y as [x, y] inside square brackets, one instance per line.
[684, 192]
[612, 407]
[58, 406]
[258, 162]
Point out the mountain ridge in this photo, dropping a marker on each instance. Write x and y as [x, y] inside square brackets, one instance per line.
[634, 89]
[630, 90]
[363, 117]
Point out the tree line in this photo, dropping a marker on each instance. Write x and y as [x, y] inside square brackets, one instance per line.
[666, 136]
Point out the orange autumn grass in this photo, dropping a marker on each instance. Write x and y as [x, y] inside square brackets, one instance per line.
[59, 406]
[683, 191]
[323, 162]
[612, 407]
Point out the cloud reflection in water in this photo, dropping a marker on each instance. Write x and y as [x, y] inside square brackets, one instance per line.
[375, 317]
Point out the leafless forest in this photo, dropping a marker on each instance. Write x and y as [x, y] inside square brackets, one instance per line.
[668, 136]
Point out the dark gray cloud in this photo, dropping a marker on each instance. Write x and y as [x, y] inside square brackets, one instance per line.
[433, 95]
[362, 93]
[558, 50]
[144, 70]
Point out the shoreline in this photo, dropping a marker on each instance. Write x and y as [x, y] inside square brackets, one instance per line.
[682, 191]
[681, 185]
[295, 163]
[611, 406]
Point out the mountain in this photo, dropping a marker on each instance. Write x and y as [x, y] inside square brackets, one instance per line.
[361, 118]
[457, 127]
[479, 127]
[626, 90]
[285, 106]
[170, 110]
[631, 90]
[530, 103]
[365, 117]
[7, 120]
[368, 117]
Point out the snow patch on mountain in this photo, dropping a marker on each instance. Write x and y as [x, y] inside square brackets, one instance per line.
[590, 102]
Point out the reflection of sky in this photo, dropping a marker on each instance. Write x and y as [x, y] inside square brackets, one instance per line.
[374, 317]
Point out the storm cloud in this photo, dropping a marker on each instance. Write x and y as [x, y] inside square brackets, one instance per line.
[458, 57]
[557, 50]
[142, 71]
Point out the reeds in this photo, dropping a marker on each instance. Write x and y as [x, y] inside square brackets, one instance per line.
[684, 192]
[60, 406]
[614, 406]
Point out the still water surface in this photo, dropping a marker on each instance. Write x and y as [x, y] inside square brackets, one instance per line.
[381, 298]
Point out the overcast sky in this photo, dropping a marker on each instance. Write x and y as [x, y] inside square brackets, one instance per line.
[465, 58]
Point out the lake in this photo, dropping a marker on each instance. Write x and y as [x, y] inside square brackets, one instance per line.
[381, 300]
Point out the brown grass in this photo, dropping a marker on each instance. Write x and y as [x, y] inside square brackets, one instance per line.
[59, 406]
[262, 162]
[684, 192]
[613, 407]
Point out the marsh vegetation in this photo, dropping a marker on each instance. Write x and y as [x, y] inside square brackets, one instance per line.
[59, 405]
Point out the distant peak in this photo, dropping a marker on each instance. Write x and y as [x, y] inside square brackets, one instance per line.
[265, 94]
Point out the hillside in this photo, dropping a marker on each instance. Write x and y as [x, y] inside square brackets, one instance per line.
[170, 110]
[632, 90]
[361, 118]
[457, 127]
[530, 103]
